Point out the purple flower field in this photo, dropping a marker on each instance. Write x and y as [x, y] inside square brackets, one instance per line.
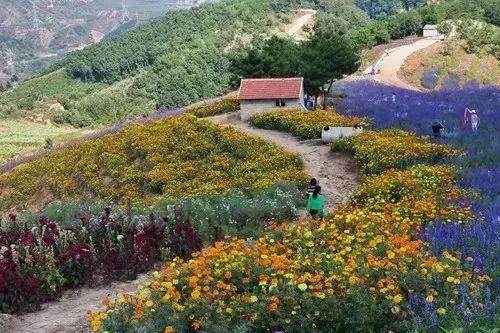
[416, 111]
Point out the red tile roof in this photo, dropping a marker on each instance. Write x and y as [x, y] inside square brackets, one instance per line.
[270, 88]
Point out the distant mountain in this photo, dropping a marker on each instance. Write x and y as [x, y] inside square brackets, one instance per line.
[34, 33]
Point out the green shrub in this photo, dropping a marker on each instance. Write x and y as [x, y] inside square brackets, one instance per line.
[237, 213]
[225, 105]
[304, 124]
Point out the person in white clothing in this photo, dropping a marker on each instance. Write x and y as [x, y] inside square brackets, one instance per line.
[474, 120]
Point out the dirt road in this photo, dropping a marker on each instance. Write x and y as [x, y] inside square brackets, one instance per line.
[298, 24]
[392, 62]
[337, 174]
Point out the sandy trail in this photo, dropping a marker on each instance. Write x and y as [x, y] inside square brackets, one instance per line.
[67, 315]
[337, 174]
[296, 28]
[392, 62]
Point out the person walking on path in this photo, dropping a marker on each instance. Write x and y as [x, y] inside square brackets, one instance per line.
[310, 189]
[394, 97]
[474, 120]
[316, 203]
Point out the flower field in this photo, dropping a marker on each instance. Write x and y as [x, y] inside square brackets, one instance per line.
[375, 151]
[225, 105]
[176, 157]
[479, 166]
[304, 124]
[70, 244]
[369, 261]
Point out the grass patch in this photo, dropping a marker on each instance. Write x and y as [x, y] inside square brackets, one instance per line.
[50, 88]
[21, 136]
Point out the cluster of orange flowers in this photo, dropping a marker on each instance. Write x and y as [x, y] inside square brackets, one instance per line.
[225, 105]
[370, 244]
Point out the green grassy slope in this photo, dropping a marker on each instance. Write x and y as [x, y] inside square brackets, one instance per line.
[168, 62]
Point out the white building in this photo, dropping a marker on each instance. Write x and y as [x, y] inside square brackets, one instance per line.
[261, 95]
[431, 30]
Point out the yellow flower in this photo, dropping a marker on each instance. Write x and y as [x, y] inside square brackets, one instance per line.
[320, 295]
[149, 303]
[441, 311]
[195, 295]
[397, 299]
[253, 299]
[169, 329]
[302, 286]
[391, 255]
[429, 299]
[450, 279]
[229, 310]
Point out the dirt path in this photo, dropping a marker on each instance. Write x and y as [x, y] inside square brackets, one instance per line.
[298, 24]
[67, 315]
[390, 64]
[337, 174]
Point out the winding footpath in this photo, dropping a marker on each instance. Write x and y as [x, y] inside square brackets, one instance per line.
[68, 314]
[337, 173]
[390, 64]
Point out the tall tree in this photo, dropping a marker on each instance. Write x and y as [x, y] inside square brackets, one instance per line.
[279, 57]
[327, 57]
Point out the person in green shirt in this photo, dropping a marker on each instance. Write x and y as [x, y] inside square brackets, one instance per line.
[316, 203]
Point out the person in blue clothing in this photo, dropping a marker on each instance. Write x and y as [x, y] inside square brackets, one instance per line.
[394, 97]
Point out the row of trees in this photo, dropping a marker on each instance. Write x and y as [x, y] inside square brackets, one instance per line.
[484, 10]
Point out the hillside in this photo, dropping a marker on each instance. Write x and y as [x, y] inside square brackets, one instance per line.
[169, 62]
[173, 61]
[34, 34]
[448, 63]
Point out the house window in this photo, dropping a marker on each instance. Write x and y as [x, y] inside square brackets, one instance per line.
[280, 102]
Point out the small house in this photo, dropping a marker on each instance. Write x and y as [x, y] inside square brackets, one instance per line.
[261, 95]
[431, 30]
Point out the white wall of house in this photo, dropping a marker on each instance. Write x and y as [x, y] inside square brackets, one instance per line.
[431, 33]
[250, 108]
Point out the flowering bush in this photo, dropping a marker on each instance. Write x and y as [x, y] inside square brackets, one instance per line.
[225, 105]
[369, 261]
[38, 259]
[17, 291]
[376, 151]
[304, 124]
[36, 263]
[176, 157]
